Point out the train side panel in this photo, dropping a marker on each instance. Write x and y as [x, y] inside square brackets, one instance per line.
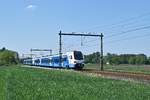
[72, 60]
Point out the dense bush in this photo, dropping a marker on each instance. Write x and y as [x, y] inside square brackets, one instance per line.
[137, 59]
[114, 59]
[8, 57]
[92, 58]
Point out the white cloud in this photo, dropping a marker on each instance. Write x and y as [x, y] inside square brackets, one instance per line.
[33, 7]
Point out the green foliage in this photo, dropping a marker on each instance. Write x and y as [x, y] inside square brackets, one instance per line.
[115, 59]
[20, 83]
[8, 57]
[92, 58]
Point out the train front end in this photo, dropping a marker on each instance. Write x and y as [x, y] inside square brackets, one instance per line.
[76, 60]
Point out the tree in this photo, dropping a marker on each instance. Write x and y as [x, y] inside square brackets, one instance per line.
[3, 49]
[8, 57]
[132, 60]
[141, 59]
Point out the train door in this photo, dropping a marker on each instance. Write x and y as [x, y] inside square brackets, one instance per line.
[71, 59]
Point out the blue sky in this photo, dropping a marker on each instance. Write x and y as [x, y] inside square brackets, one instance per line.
[26, 24]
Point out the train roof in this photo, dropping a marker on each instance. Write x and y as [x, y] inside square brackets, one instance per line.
[55, 55]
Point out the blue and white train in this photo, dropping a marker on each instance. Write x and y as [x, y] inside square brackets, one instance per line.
[73, 60]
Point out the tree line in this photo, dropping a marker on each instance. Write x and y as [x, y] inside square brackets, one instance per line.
[116, 59]
[11, 57]
[8, 57]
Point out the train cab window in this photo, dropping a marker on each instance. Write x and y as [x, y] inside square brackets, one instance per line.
[78, 55]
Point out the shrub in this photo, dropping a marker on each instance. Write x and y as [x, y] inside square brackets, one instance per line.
[8, 57]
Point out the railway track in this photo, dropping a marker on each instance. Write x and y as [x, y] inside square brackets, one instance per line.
[120, 74]
[113, 74]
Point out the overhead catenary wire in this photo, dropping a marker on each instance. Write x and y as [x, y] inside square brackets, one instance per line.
[127, 31]
[127, 38]
[123, 23]
[121, 33]
[124, 32]
[120, 22]
[122, 27]
[76, 45]
[114, 41]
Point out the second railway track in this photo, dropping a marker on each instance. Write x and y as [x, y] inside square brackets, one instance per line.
[121, 74]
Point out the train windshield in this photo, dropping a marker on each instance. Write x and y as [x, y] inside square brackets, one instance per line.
[78, 55]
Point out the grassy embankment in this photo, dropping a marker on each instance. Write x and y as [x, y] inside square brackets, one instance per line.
[18, 83]
[128, 68]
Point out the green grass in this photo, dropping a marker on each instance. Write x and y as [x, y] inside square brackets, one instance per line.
[129, 68]
[18, 83]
